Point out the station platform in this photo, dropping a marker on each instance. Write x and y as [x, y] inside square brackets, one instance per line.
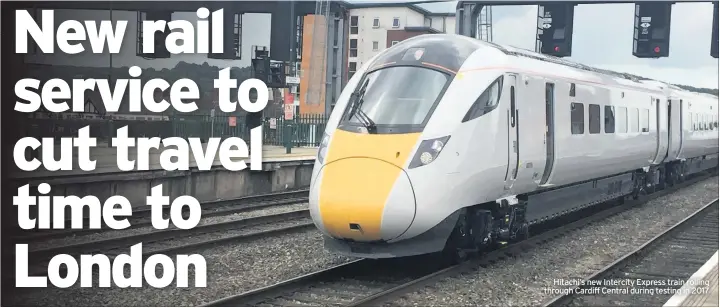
[106, 162]
[701, 289]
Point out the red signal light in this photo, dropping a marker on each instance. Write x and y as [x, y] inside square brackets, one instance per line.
[657, 49]
[557, 48]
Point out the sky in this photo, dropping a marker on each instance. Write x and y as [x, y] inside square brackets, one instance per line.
[602, 37]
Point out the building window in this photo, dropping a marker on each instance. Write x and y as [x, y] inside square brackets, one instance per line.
[353, 25]
[376, 45]
[396, 22]
[376, 22]
[352, 68]
[428, 22]
[577, 118]
[394, 42]
[609, 119]
[353, 48]
[594, 119]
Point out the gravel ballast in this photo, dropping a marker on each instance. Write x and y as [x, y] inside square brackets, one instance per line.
[525, 281]
[104, 235]
[231, 269]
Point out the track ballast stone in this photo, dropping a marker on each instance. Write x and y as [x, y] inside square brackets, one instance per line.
[525, 281]
[107, 234]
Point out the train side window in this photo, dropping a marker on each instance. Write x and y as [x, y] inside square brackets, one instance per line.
[512, 106]
[633, 120]
[609, 119]
[705, 121]
[644, 120]
[577, 118]
[708, 122]
[594, 119]
[700, 122]
[621, 120]
[486, 102]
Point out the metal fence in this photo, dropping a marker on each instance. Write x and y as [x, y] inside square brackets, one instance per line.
[301, 131]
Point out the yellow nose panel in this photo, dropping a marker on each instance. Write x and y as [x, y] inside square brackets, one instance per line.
[360, 173]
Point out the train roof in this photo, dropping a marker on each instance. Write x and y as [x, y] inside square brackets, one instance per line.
[641, 81]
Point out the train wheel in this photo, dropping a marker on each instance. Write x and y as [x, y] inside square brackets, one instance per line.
[670, 176]
[453, 253]
[640, 186]
[661, 179]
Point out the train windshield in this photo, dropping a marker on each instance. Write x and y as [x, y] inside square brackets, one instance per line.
[396, 96]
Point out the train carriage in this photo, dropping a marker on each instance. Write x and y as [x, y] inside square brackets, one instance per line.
[446, 143]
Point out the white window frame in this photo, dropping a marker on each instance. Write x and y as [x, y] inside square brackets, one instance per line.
[398, 22]
[375, 45]
[376, 22]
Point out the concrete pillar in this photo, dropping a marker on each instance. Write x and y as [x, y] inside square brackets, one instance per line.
[466, 20]
[336, 38]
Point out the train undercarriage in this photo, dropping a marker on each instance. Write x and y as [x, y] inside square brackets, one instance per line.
[492, 225]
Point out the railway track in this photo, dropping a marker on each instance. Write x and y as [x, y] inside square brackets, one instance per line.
[376, 282]
[177, 241]
[649, 276]
[141, 216]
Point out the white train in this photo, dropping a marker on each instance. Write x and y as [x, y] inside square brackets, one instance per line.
[446, 143]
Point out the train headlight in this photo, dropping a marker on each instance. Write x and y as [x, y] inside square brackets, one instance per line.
[322, 149]
[428, 151]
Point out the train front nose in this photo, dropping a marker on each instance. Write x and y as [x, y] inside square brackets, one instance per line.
[363, 199]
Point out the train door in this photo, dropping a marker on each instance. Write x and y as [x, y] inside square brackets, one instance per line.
[661, 113]
[513, 146]
[549, 131]
[674, 129]
[681, 127]
[670, 126]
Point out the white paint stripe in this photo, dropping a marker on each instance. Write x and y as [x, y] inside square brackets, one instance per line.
[682, 294]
